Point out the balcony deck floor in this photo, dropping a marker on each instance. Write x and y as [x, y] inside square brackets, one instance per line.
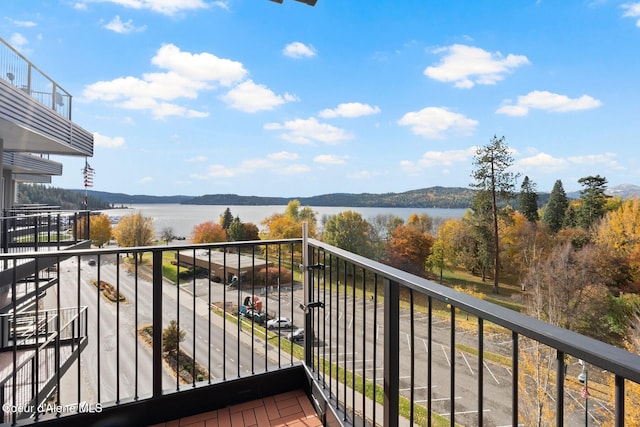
[291, 409]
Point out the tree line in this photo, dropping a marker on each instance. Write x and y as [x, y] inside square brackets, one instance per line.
[576, 262]
[67, 200]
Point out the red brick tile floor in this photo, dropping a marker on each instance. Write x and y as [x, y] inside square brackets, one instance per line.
[291, 409]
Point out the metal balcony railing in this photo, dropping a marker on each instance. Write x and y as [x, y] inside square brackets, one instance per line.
[380, 346]
[21, 73]
[27, 230]
[42, 346]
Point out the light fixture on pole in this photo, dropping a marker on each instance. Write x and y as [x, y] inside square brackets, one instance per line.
[583, 377]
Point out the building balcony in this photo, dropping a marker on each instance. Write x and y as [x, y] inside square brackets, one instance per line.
[380, 346]
[35, 111]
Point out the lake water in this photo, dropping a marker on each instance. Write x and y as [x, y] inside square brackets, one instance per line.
[182, 218]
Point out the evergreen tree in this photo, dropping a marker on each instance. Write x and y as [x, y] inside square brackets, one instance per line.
[481, 244]
[236, 230]
[491, 175]
[528, 200]
[570, 217]
[554, 212]
[226, 219]
[592, 200]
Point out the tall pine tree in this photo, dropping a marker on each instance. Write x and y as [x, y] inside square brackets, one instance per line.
[592, 200]
[556, 208]
[491, 174]
[528, 200]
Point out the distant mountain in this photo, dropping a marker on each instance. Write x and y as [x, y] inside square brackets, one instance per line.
[434, 197]
[127, 199]
[40, 194]
[625, 191]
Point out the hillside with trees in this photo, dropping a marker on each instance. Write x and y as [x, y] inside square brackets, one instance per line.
[65, 199]
[433, 197]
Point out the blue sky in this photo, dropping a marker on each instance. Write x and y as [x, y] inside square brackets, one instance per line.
[258, 98]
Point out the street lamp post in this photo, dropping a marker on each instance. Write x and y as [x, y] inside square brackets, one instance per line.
[584, 378]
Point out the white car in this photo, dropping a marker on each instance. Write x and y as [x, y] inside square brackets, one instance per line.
[281, 322]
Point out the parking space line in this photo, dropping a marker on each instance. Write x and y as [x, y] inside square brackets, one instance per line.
[466, 361]
[491, 372]
[463, 412]
[445, 355]
[415, 388]
[443, 399]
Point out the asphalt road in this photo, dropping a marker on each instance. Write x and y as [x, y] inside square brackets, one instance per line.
[228, 352]
[116, 364]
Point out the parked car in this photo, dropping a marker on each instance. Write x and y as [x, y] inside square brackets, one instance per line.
[297, 335]
[92, 262]
[280, 322]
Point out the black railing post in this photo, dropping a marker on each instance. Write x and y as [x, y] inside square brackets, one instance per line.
[36, 232]
[87, 226]
[308, 297]
[5, 240]
[391, 356]
[560, 374]
[514, 385]
[619, 402]
[157, 323]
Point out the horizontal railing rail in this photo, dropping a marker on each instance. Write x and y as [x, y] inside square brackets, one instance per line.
[420, 349]
[136, 298]
[30, 231]
[384, 347]
[21, 73]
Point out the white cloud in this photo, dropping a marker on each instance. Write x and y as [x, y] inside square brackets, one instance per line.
[292, 170]
[222, 4]
[161, 110]
[543, 100]
[363, 174]
[282, 155]
[26, 24]
[432, 159]
[350, 109]
[330, 159]
[632, 10]
[201, 67]
[251, 97]
[117, 26]
[607, 159]
[18, 41]
[217, 171]
[187, 74]
[298, 50]
[305, 131]
[275, 163]
[107, 142]
[436, 122]
[467, 66]
[541, 163]
[165, 7]
[145, 180]
[197, 159]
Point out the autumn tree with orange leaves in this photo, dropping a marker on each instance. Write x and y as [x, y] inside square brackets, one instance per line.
[408, 249]
[208, 232]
